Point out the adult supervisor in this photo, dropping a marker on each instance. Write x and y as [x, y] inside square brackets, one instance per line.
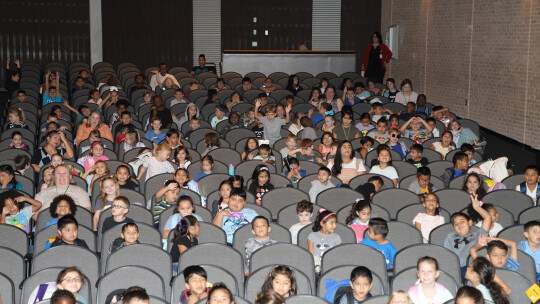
[376, 55]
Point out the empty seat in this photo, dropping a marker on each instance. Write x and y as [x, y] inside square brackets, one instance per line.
[401, 234]
[7, 289]
[438, 235]
[453, 200]
[13, 266]
[517, 283]
[529, 214]
[127, 276]
[276, 199]
[395, 199]
[13, 238]
[514, 233]
[329, 198]
[511, 200]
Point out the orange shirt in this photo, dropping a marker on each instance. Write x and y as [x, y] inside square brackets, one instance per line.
[84, 132]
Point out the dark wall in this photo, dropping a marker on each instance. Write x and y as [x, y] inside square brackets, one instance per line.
[148, 32]
[288, 24]
[358, 20]
[44, 31]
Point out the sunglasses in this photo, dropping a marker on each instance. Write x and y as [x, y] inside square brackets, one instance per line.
[395, 135]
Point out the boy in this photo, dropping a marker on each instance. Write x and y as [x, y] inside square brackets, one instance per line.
[376, 238]
[296, 172]
[165, 198]
[221, 111]
[361, 282]
[290, 145]
[469, 150]
[213, 98]
[154, 134]
[21, 95]
[51, 94]
[360, 91]
[366, 145]
[194, 124]
[196, 285]
[68, 233]
[373, 185]
[306, 152]
[268, 86]
[530, 186]
[259, 128]
[304, 210]
[77, 85]
[433, 124]
[173, 138]
[365, 124]
[129, 236]
[530, 246]
[119, 209]
[323, 109]
[497, 252]
[377, 112]
[380, 133]
[422, 185]
[421, 107]
[466, 235]
[409, 113]
[246, 86]
[21, 162]
[136, 296]
[461, 164]
[265, 154]
[322, 183]
[125, 118]
[235, 216]
[416, 132]
[416, 156]
[272, 124]
[260, 228]
[178, 97]
[289, 100]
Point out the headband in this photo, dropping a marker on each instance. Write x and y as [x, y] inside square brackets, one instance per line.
[327, 216]
[96, 143]
[263, 169]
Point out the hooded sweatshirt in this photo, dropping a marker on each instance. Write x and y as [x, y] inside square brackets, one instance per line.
[317, 187]
[184, 118]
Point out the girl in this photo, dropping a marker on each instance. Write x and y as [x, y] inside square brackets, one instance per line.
[124, 178]
[260, 183]
[182, 157]
[323, 85]
[407, 94]
[326, 144]
[96, 154]
[47, 177]
[359, 217]
[482, 276]
[323, 236]
[60, 206]
[183, 179]
[108, 192]
[364, 126]
[295, 126]
[95, 97]
[251, 148]
[236, 98]
[224, 192]
[167, 84]
[165, 198]
[282, 280]
[100, 169]
[94, 136]
[346, 84]
[396, 144]
[220, 294]
[399, 297]
[158, 163]
[474, 185]
[426, 290]
[17, 142]
[431, 219]
[461, 135]
[445, 145]
[7, 178]
[346, 131]
[132, 140]
[207, 166]
[185, 236]
[469, 295]
[70, 279]
[15, 212]
[345, 166]
[391, 92]
[211, 141]
[315, 97]
[280, 111]
[477, 219]
[372, 88]
[16, 119]
[184, 208]
[237, 181]
[329, 124]
[147, 98]
[393, 121]
[293, 84]
[384, 168]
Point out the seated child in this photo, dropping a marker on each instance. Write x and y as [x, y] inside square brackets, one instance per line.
[431, 219]
[296, 173]
[165, 198]
[61, 205]
[361, 282]
[136, 295]
[236, 215]
[365, 124]
[304, 210]
[427, 290]
[211, 142]
[260, 228]
[359, 217]
[271, 123]
[183, 208]
[15, 213]
[68, 234]
[422, 185]
[47, 178]
[66, 285]
[207, 166]
[416, 158]
[259, 128]
[119, 209]
[185, 237]
[129, 236]
[530, 186]
[194, 124]
[323, 236]
[123, 175]
[416, 132]
[433, 124]
[377, 112]
[265, 154]
[393, 121]
[469, 150]
[380, 133]
[17, 142]
[373, 185]
[465, 235]
[384, 168]
[376, 238]
[7, 178]
[221, 115]
[329, 124]
[461, 164]
[481, 275]
[132, 140]
[154, 134]
[326, 145]
[158, 163]
[445, 144]
[281, 280]
[62, 297]
[307, 125]
[532, 244]
[260, 183]
[409, 112]
[178, 97]
[196, 285]
[495, 227]
[22, 163]
[224, 193]
[366, 145]
[395, 144]
[502, 253]
[306, 152]
[322, 183]
[290, 145]
[296, 126]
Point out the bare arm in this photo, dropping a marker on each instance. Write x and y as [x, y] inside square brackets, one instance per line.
[418, 226]
[218, 221]
[429, 129]
[405, 125]
[486, 222]
[72, 109]
[69, 152]
[57, 82]
[310, 246]
[505, 289]
[287, 113]
[47, 82]
[142, 169]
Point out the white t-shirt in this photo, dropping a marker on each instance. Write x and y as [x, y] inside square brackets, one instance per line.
[493, 232]
[351, 165]
[389, 171]
[294, 232]
[531, 194]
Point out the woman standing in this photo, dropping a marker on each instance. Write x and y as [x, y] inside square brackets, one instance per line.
[376, 55]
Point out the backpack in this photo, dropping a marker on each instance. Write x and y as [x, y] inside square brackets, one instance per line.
[138, 161]
[335, 290]
[495, 169]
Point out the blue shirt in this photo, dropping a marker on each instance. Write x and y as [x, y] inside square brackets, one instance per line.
[387, 249]
[18, 186]
[399, 149]
[511, 264]
[316, 118]
[524, 246]
[153, 137]
[201, 175]
[48, 99]
[236, 220]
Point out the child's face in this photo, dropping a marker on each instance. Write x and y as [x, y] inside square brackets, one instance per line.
[14, 118]
[62, 209]
[365, 122]
[462, 226]
[358, 90]
[236, 203]
[415, 125]
[126, 119]
[431, 203]
[173, 140]
[472, 184]
[260, 229]
[220, 296]
[470, 155]
[462, 164]
[225, 191]
[410, 107]
[432, 124]
[381, 127]
[346, 120]
[328, 121]
[252, 144]
[364, 215]
[194, 124]
[47, 175]
[350, 94]
[206, 166]
[533, 235]
[327, 140]
[291, 143]
[394, 121]
[263, 178]
[172, 195]
[361, 287]
[71, 282]
[52, 93]
[390, 85]
[423, 180]
[122, 174]
[109, 187]
[131, 235]
[415, 155]
[264, 153]
[531, 176]
[56, 160]
[330, 224]
[193, 87]
[180, 177]
[69, 233]
[181, 155]
[196, 284]
[156, 125]
[219, 114]
[305, 217]
[384, 157]
[178, 95]
[307, 150]
[378, 110]
[163, 155]
[427, 273]
[295, 167]
[498, 257]
[94, 138]
[101, 168]
[185, 208]
[10, 204]
[394, 137]
[281, 284]
[97, 150]
[237, 184]
[323, 177]
[21, 97]
[270, 115]
[119, 208]
[447, 140]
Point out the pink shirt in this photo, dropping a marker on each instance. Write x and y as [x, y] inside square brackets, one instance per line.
[428, 223]
[402, 99]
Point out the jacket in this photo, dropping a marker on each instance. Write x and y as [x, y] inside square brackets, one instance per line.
[385, 52]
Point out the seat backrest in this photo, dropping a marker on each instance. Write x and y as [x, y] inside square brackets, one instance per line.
[41, 238]
[211, 183]
[341, 273]
[447, 260]
[7, 289]
[218, 255]
[127, 276]
[256, 280]
[513, 201]
[453, 200]
[280, 253]
[226, 155]
[408, 213]
[83, 217]
[514, 233]
[137, 213]
[13, 238]
[406, 182]
[529, 214]
[214, 274]
[276, 199]
[327, 198]
[246, 168]
[210, 233]
[49, 275]
[376, 211]
[346, 234]
[305, 299]
[287, 216]
[277, 233]
[395, 199]
[195, 168]
[377, 300]
[13, 266]
[401, 234]
[512, 181]
[517, 283]
[438, 167]
[438, 235]
[406, 278]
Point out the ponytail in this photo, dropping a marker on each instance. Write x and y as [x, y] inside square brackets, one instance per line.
[182, 229]
[323, 216]
[358, 206]
[486, 273]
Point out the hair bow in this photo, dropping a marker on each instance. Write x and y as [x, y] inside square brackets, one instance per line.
[322, 210]
[331, 112]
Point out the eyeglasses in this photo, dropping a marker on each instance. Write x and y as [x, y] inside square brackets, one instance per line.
[119, 207]
[71, 280]
[396, 135]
